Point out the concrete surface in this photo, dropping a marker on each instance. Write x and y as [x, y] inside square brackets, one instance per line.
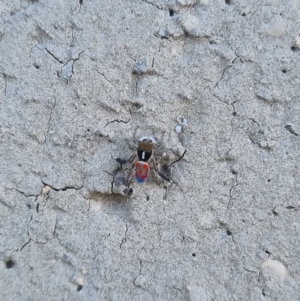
[81, 81]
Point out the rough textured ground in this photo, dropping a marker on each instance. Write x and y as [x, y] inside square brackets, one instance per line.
[81, 81]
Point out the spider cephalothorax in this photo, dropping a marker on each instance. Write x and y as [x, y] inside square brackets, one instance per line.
[145, 148]
[144, 152]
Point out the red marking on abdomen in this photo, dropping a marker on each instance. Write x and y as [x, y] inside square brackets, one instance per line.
[142, 169]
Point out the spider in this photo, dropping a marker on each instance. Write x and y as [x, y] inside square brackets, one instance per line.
[121, 185]
[142, 167]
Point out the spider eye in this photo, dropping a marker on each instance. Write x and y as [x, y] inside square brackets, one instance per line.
[144, 139]
[152, 139]
[148, 139]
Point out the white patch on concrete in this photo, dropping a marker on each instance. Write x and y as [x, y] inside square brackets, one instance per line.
[273, 272]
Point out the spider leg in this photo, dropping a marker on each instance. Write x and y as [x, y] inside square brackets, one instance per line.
[131, 158]
[121, 184]
[120, 168]
[162, 176]
[116, 170]
[160, 173]
[122, 161]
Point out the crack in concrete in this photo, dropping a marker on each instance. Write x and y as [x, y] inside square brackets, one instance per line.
[65, 188]
[103, 75]
[224, 70]
[76, 93]
[76, 59]
[89, 208]
[231, 124]
[30, 239]
[5, 84]
[214, 95]
[163, 37]
[1, 37]
[6, 77]
[49, 121]
[22, 192]
[250, 137]
[71, 44]
[267, 147]
[5, 204]
[174, 287]
[25, 244]
[80, 4]
[136, 86]
[223, 226]
[152, 4]
[288, 207]
[253, 120]
[127, 191]
[139, 75]
[124, 239]
[57, 59]
[233, 113]
[232, 187]
[229, 66]
[68, 79]
[250, 271]
[153, 59]
[291, 207]
[140, 273]
[113, 180]
[291, 130]
[117, 120]
[42, 34]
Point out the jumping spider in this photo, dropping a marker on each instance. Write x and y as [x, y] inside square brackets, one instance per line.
[142, 165]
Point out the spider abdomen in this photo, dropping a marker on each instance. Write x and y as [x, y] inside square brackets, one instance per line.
[141, 171]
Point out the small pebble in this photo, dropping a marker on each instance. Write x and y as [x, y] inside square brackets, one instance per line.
[273, 272]
[182, 120]
[46, 189]
[178, 129]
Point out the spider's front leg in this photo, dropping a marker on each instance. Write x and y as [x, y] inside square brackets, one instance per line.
[122, 161]
[120, 182]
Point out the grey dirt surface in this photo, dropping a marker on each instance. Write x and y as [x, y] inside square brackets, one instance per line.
[81, 82]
